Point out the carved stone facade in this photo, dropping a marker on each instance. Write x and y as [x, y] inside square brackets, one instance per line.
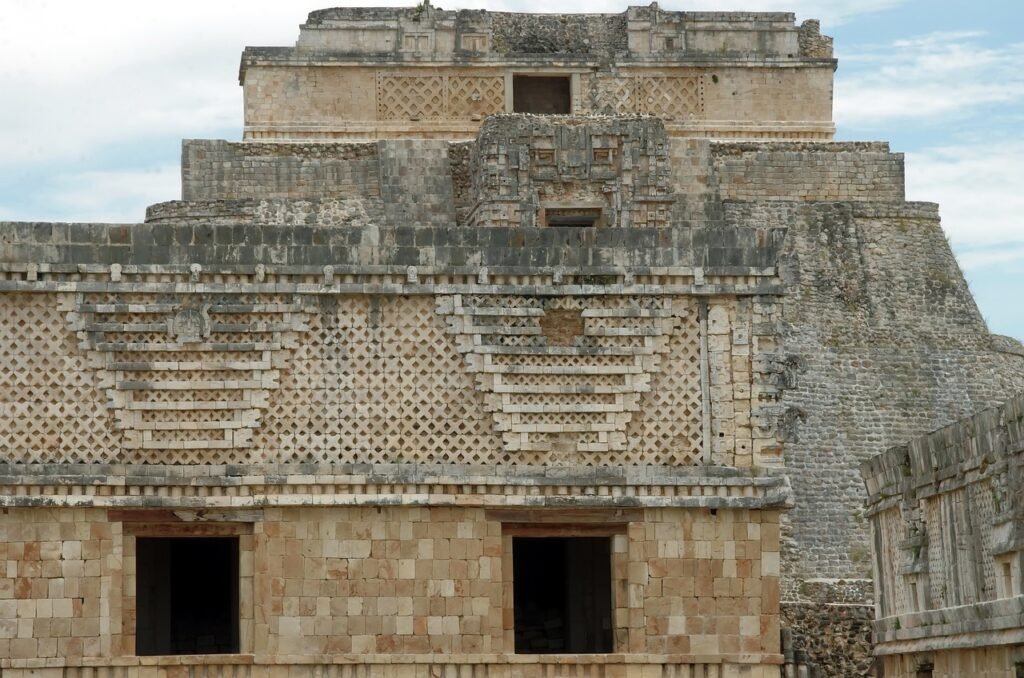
[947, 520]
[377, 73]
[404, 388]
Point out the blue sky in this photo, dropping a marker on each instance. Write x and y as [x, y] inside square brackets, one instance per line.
[97, 96]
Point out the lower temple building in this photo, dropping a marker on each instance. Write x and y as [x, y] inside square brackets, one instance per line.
[501, 346]
[947, 523]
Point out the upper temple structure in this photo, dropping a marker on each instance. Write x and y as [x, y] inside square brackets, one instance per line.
[500, 346]
[382, 73]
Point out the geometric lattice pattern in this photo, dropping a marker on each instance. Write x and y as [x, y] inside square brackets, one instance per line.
[376, 379]
[214, 379]
[190, 376]
[615, 95]
[578, 395]
[410, 97]
[52, 405]
[475, 96]
[667, 430]
[438, 97]
[670, 97]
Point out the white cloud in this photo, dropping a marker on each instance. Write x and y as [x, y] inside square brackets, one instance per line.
[979, 188]
[977, 260]
[118, 196]
[939, 74]
[117, 72]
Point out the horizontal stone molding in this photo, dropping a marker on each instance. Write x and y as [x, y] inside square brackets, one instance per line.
[243, 486]
[949, 627]
[456, 130]
[710, 288]
[401, 666]
[241, 245]
[979, 447]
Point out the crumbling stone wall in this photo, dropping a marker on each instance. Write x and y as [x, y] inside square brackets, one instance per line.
[812, 42]
[559, 34]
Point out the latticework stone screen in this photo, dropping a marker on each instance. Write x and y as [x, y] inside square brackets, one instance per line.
[243, 378]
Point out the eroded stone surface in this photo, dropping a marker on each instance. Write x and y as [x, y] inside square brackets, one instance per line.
[389, 331]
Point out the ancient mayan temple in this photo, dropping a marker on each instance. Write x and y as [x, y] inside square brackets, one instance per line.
[501, 346]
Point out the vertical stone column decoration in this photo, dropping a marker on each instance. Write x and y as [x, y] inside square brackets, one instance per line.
[187, 376]
[565, 375]
[745, 378]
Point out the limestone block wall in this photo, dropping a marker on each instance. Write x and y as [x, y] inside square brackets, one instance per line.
[55, 592]
[369, 73]
[362, 101]
[312, 95]
[989, 662]
[705, 95]
[412, 581]
[220, 170]
[358, 583]
[880, 341]
[397, 182]
[862, 172]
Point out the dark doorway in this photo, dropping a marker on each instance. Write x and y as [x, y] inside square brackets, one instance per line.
[186, 595]
[563, 594]
[580, 217]
[544, 95]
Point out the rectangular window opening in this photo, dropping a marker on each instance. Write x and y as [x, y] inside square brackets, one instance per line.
[186, 595]
[1007, 568]
[579, 217]
[545, 95]
[562, 595]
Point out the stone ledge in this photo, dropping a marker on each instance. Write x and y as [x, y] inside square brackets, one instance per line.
[272, 662]
[389, 485]
[991, 639]
[313, 473]
[992, 616]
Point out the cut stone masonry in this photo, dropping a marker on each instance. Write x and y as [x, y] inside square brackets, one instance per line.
[408, 320]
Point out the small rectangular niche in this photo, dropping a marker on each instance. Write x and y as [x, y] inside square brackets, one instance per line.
[562, 590]
[543, 95]
[577, 217]
[187, 595]
[1008, 584]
